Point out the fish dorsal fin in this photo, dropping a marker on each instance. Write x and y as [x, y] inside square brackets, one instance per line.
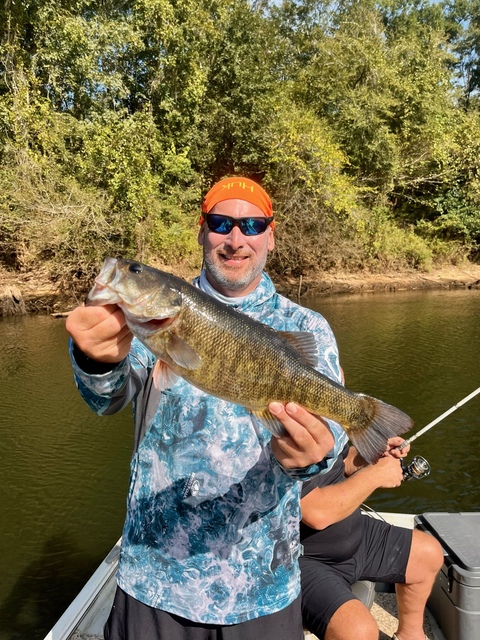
[270, 422]
[304, 343]
[181, 353]
[163, 376]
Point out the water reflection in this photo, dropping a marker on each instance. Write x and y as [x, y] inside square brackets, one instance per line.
[65, 471]
[64, 478]
[419, 351]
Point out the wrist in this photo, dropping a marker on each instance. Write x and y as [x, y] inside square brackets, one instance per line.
[369, 478]
[90, 365]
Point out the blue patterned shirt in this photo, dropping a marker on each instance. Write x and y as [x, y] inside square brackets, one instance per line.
[212, 526]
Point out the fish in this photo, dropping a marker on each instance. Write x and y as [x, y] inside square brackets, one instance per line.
[232, 356]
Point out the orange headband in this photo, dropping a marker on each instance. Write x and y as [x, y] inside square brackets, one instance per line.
[238, 188]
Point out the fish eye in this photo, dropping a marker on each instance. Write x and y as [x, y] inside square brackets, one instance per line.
[136, 267]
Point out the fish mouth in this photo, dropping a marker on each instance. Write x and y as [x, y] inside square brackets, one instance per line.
[149, 325]
[148, 309]
[101, 294]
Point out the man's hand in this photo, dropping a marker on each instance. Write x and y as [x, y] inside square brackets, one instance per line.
[309, 437]
[100, 332]
[387, 472]
[392, 448]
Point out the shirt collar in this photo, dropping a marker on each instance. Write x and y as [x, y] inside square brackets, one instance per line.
[264, 290]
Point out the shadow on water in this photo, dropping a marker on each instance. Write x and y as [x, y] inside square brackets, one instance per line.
[43, 589]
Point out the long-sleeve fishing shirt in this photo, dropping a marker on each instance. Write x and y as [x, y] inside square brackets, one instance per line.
[212, 525]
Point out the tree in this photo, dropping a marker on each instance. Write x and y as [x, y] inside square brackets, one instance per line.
[463, 27]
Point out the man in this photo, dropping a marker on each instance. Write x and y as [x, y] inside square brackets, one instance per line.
[210, 544]
[342, 546]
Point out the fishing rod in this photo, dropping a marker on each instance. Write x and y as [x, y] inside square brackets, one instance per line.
[419, 467]
[437, 420]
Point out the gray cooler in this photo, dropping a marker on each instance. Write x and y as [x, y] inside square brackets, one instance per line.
[455, 598]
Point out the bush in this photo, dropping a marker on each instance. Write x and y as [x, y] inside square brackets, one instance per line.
[314, 201]
[388, 246]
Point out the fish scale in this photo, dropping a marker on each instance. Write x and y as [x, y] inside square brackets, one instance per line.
[258, 359]
[234, 357]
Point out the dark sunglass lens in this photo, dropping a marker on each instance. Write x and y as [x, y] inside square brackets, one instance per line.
[219, 224]
[253, 226]
[248, 226]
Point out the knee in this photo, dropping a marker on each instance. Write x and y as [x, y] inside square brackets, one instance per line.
[365, 628]
[426, 553]
[435, 555]
[352, 621]
[431, 552]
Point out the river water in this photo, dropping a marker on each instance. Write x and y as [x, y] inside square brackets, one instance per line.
[64, 471]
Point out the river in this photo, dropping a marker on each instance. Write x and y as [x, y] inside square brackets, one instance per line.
[65, 470]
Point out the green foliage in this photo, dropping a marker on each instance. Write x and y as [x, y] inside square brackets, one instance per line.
[313, 198]
[389, 247]
[458, 218]
[83, 190]
[241, 95]
[361, 118]
[383, 90]
[463, 25]
[46, 219]
[83, 64]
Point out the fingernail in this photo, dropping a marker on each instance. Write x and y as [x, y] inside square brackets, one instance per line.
[275, 407]
[292, 407]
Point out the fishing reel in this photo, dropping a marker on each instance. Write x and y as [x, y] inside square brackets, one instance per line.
[418, 468]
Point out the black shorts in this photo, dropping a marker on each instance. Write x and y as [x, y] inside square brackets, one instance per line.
[132, 620]
[382, 556]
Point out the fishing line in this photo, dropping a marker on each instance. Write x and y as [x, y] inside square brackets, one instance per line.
[437, 420]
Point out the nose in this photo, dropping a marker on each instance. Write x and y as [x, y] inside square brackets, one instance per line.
[235, 239]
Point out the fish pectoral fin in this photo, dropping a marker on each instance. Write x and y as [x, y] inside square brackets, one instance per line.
[304, 343]
[181, 353]
[270, 422]
[163, 376]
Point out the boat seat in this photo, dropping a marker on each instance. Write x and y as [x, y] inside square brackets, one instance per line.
[365, 591]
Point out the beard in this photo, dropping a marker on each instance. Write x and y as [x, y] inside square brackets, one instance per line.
[230, 278]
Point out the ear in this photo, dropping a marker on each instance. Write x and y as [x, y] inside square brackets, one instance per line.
[271, 240]
[201, 235]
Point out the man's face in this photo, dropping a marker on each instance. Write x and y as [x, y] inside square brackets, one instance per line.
[234, 262]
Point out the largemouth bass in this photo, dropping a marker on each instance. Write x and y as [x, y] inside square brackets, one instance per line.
[229, 355]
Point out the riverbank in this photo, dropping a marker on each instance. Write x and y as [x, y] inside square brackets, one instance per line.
[467, 276]
[35, 293]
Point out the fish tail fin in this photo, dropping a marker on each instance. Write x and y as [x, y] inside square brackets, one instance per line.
[386, 422]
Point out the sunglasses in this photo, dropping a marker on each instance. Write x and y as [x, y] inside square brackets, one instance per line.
[248, 226]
